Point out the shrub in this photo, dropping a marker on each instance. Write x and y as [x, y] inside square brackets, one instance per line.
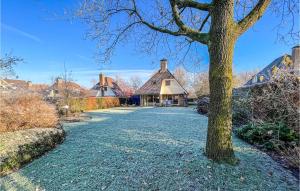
[269, 102]
[268, 135]
[21, 110]
[203, 105]
[78, 105]
[277, 138]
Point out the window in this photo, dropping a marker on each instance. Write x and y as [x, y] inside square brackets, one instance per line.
[105, 88]
[168, 82]
[261, 78]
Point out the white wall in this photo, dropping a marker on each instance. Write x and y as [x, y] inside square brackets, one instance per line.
[174, 88]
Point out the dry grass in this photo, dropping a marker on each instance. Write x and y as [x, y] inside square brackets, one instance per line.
[25, 110]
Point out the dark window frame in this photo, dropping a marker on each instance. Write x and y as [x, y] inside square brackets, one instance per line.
[168, 82]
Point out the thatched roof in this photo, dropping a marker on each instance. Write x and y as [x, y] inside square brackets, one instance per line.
[108, 81]
[281, 63]
[61, 86]
[153, 85]
[22, 84]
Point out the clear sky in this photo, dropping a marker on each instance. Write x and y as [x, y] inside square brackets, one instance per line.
[37, 31]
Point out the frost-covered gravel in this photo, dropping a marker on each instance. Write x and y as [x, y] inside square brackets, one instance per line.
[146, 149]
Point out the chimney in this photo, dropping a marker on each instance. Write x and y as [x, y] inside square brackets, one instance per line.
[101, 83]
[163, 65]
[296, 58]
[101, 80]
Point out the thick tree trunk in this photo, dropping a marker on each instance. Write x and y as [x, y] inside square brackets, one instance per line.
[221, 46]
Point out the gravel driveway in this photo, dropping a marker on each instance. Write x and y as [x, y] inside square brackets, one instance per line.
[145, 149]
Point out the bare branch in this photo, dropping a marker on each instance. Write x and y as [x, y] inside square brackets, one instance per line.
[176, 16]
[183, 29]
[7, 63]
[193, 4]
[152, 26]
[254, 15]
[204, 22]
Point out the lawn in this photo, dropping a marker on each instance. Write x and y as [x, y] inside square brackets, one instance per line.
[146, 149]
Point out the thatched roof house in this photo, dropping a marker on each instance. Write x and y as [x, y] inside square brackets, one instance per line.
[22, 85]
[162, 89]
[286, 62]
[61, 88]
[106, 87]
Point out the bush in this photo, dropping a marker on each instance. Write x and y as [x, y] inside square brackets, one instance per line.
[241, 114]
[268, 135]
[21, 110]
[203, 105]
[271, 112]
[78, 105]
[269, 102]
[277, 138]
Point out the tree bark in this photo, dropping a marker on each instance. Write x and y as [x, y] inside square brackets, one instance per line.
[221, 46]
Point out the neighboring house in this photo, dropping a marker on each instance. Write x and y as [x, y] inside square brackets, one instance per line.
[22, 85]
[61, 88]
[106, 87]
[5, 86]
[290, 63]
[162, 89]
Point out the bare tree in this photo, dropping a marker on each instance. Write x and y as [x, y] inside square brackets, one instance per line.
[201, 84]
[216, 23]
[181, 76]
[241, 78]
[7, 63]
[125, 86]
[63, 85]
[135, 82]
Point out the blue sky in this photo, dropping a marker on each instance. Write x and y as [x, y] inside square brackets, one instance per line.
[37, 31]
